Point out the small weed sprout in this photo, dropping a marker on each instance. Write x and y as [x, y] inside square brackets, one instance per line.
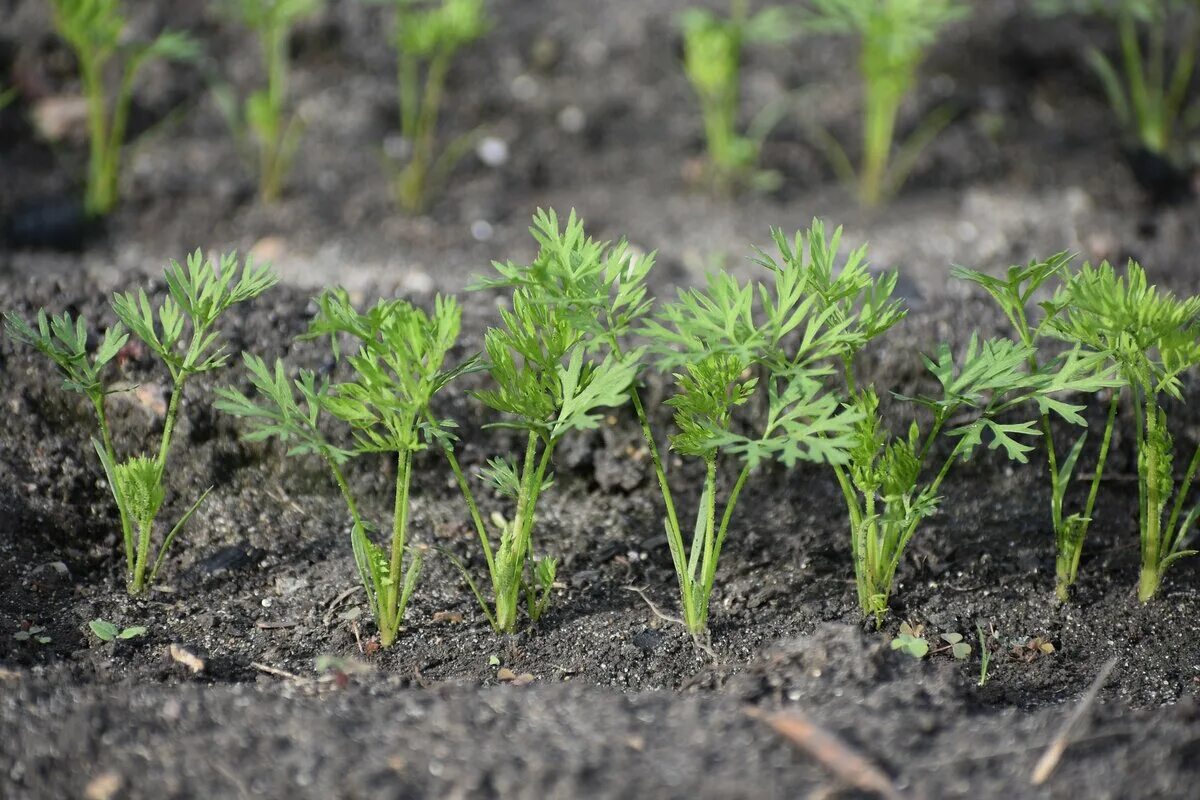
[197, 296]
[1014, 294]
[263, 119]
[106, 631]
[428, 35]
[96, 32]
[554, 363]
[985, 654]
[1153, 339]
[894, 36]
[398, 367]
[712, 61]
[724, 345]
[1147, 92]
[34, 633]
[911, 640]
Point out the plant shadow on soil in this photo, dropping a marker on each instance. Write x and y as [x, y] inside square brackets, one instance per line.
[623, 704]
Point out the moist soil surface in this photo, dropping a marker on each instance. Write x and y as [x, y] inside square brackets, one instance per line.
[606, 696]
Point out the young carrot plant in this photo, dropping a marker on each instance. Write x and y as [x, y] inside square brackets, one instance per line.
[397, 369]
[712, 61]
[96, 32]
[263, 117]
[428, 35]
[1014, 294]
[1152, 338]
[554, 363]
[196, 298]
[725, 345]
[884, 479]
[1149, 90]
[894, 36]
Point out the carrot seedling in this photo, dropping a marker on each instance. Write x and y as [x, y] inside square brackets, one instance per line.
[554, 362]
[712, 60]
[263, 118]
[1014, 294]
[894, 36]
[428, 35]
[1152, 338]
[96, 31]
[197, 296]
[884, 479]
[398, 367]
[722, 343]
[1148, 87]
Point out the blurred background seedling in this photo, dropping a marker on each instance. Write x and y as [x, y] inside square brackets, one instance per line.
[893, 37]
[713, 50]
[262, 122]
[97, 32]
[428, 35]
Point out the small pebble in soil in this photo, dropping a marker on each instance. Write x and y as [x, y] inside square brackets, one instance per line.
[524, 88]
[647, 641]
[481, 230]
[572, 119]
[492, 151]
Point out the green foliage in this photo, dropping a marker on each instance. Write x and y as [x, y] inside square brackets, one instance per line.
[7, 96]
[397, 369]
[34, 633]
[894, 36]
[712, 61]
[1152, 338]
[181, 333]
[1149, 91]
[428, 35]
[1015, 294]
[554, 363]
[96, 31]
[911, 641]
[263, 117]
[726, 341]
[106, 631]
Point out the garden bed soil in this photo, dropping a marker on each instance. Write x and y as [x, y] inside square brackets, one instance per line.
[609, 698]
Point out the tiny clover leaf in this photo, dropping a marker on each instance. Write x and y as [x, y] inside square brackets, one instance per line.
[911, 640]
[958, 648]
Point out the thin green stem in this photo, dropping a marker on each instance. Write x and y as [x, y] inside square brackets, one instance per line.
[399, 537]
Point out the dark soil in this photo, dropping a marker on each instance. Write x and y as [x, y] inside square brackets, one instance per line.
[622, 703]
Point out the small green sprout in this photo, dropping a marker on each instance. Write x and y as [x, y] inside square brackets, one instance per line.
[894, 36]
[554, 363]
[428, 35]
[397, 369]
[96, 31]
[721, 345]
[197, 296]
[106, 631]
[985, 653]
[1148, 93]
[1152, 338]
[712, 60]
[263, 118]
[34, 633]
[911, 640]
[1014, 294]
[7, 96]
